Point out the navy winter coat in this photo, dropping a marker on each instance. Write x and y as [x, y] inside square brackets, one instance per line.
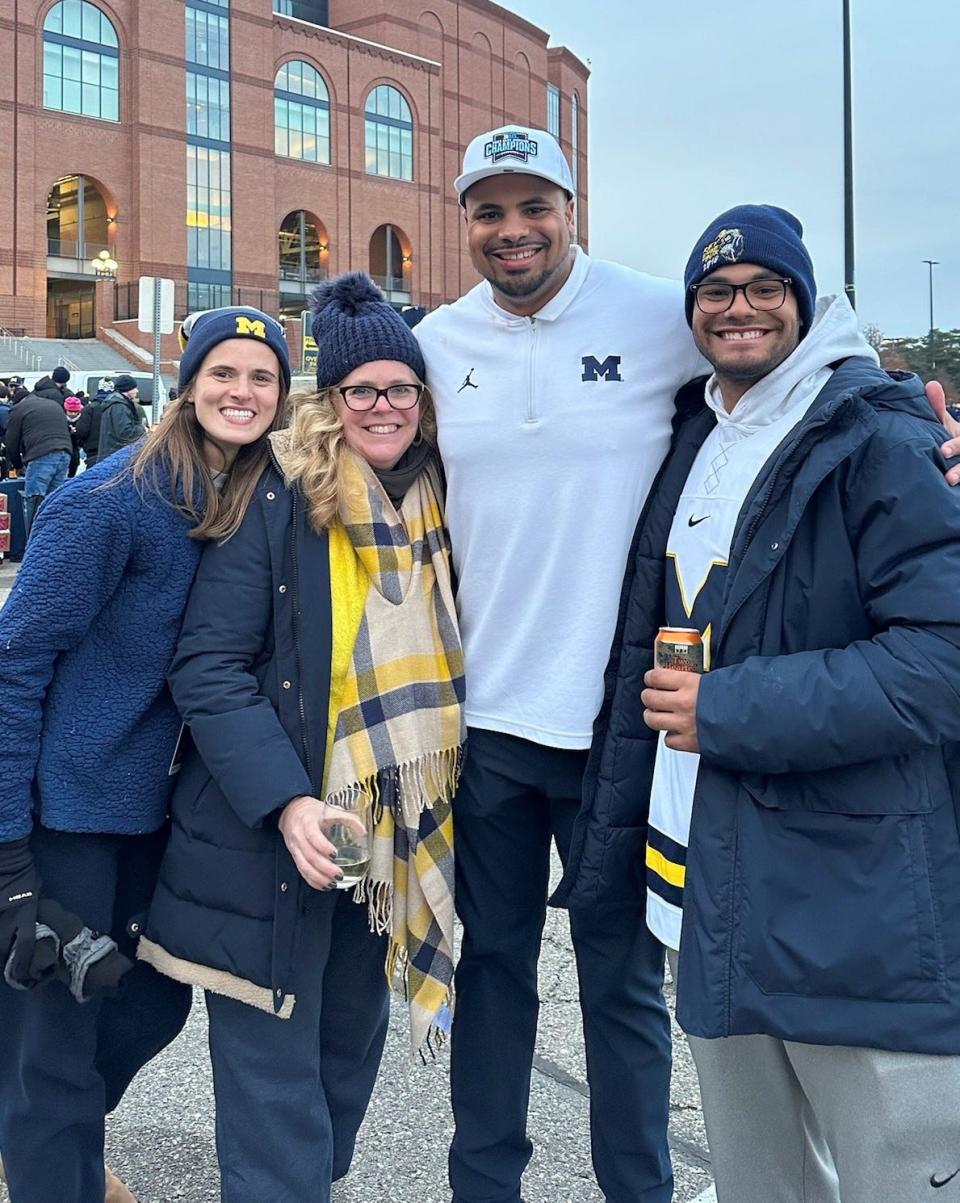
[121, 423]
[252, 679]
[87, 725]
[822, 896]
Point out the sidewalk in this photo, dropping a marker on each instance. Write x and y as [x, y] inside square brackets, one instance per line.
[161, 1138]
[8, 574]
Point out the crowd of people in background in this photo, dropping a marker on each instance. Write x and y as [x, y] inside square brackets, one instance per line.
[49, 433]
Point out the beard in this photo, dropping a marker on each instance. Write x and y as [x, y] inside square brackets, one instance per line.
[521, 288]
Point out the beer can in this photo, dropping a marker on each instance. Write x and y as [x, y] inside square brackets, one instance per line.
[679, 648]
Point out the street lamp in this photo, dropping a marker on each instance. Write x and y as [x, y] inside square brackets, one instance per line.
[104, 267]
[848, 257]
[931, 264]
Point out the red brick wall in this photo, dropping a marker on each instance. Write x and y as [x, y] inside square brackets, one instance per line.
[486, 66]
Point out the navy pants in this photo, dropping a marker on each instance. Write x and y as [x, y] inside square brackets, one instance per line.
[514, 797]
[63, 1065]
[292, 1093]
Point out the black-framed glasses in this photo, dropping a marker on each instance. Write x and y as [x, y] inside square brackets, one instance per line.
[767, 293]
[364, 396]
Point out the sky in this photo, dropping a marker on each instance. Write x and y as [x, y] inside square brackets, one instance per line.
[696, 106]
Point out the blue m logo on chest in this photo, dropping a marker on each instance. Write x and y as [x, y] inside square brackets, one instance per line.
[593, 369]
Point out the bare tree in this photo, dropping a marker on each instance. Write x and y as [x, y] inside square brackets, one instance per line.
[874, 336]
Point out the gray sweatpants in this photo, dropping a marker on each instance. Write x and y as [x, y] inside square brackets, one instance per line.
[806, 1123]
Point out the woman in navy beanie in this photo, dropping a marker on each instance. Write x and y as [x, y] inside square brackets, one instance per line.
[320, 673]
[88, 734]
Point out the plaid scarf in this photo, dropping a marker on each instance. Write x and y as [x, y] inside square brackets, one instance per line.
[395, 754]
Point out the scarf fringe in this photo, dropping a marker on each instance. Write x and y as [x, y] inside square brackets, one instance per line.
[378, 895]
[429, 778]
[437, 1035]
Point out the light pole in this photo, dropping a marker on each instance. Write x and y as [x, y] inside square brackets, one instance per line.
[849, 286]
[931, 264]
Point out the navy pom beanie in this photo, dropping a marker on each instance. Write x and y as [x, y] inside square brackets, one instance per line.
[761, 234]
[353, 324]
[201, 332]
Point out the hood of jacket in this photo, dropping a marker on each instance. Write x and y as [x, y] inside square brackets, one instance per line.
[280, 441]
[833, 336]
[46, 388]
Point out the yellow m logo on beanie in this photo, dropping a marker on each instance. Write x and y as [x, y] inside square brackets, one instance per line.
[246, 326]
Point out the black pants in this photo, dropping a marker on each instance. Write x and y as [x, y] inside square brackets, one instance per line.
[63, 1065]
[514, 797]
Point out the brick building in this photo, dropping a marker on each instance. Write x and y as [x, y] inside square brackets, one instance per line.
[246, 148]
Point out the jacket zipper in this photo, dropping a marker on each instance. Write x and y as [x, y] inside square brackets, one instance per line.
[295, 565]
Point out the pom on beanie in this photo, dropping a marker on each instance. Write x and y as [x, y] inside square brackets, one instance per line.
[352, 325]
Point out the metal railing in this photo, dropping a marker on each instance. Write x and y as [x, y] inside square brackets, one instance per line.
[309, 275]
[20, 346]
[391, 284]
[127, 300]
[73, 248]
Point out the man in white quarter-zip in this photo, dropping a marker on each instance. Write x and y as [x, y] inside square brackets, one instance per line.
[554, 381]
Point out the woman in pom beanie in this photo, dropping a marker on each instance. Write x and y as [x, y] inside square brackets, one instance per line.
[320, 673]
[88, 734]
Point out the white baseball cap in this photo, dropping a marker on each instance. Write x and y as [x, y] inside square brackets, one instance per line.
[514, 149]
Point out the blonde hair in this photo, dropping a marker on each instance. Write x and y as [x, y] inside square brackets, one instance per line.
[317, 446]
[171, 462]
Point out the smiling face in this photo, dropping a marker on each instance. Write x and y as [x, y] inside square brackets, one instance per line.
[518, 234]
[745, 344]
[235, 397]
[382, 434]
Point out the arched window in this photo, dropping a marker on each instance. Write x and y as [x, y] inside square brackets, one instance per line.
[303, 246]
[301, 113]
[81, 61]
[553, 110]
[390, 261]
[389, 134]
[77, 219]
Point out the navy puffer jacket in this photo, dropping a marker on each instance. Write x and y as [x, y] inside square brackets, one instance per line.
[251, 677]
[822, 897]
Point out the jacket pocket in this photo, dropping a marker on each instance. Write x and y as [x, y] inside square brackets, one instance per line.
[838, 903]
[896, 785]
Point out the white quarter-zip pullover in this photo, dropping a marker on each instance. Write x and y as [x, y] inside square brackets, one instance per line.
[551, 429]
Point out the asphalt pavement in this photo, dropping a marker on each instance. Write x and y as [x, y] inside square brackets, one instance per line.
[160, 1140]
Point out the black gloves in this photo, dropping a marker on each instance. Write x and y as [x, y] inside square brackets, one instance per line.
[39, 940]
[19, 897]
[89, 963]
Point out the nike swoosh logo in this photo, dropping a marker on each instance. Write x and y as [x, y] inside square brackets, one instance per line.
[936, 1182]
[691, 521]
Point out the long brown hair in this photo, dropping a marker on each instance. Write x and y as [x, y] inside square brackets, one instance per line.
[316, 447]
[170, 461]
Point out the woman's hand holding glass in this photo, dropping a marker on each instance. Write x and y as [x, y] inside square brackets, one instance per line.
[303, 822]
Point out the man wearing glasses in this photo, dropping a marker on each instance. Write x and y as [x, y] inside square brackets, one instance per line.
[802, 829]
